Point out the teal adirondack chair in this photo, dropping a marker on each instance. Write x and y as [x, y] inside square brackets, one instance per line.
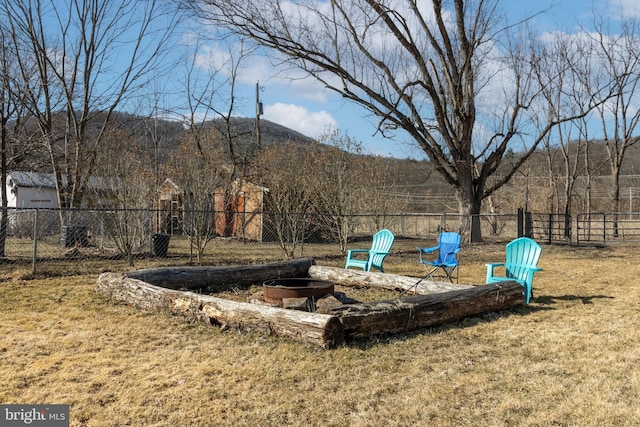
[380, 248]
[521, 263]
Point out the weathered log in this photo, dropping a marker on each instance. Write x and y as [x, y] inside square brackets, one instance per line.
[318, 329]
[220, 276]
[400, 315]
[356, 278]
[443, 303]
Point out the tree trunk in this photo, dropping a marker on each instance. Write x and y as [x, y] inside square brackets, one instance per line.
[615, 194]
[402, 315]
[356, 278]
[318, 329]
[443, 302]
[349, 321]
[196, 278]
[470, 208]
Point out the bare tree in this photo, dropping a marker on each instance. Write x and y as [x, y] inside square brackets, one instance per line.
[287, 171]
[619, 58]
[439, 71]
[14, 140]
[593, 165]
[196, 167]
[342, 185]
[324, 188]
[122, 189]
[211, 85]
[380, 197]
[563, 71]
[8, 108]
[90, 57]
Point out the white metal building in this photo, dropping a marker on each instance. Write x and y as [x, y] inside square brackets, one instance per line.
[26, 190]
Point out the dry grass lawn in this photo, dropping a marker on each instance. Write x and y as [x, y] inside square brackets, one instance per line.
[570, 358]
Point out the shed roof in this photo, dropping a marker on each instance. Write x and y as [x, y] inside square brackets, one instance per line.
[31, 179]
[47, 180]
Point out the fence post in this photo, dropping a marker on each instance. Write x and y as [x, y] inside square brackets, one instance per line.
[35, 242]
[303, 238]
[191, 234]
[550, 229]
[101, 233]
[520, 222]
[528, 224]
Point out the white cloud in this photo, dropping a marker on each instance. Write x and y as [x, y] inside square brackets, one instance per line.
[213, 59]
[303, 86]
[298, 118]
[256, 67]
[629, 8]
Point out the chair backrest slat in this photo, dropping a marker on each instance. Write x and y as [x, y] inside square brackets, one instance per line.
[521, 263]
[521, 254]
[381, 244]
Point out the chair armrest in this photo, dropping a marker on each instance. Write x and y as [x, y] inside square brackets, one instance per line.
[491, 267]
[356, 254]
[496, 264]
[423, 251]
[357, 251]
[428, 250]
[380, 253]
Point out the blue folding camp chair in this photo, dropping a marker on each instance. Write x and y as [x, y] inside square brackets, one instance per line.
[445, 265]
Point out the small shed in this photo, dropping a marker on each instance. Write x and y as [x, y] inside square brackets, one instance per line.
[170, 218]
[238, 210]
[28, 190]
[34, 190]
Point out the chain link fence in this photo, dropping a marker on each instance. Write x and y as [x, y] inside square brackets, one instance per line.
[55, 241]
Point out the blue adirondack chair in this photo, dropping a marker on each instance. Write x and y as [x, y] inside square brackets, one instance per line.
[447, 260]
[521, 263]
[380, 248]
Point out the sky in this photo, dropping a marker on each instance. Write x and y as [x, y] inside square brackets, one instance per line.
[305, 106]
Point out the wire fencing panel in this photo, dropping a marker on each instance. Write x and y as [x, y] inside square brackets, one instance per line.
[552, 228]
[43, 240]
[55, 233]
[608, 227]
[94, 240]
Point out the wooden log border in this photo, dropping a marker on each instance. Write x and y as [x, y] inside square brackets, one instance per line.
[443, 302]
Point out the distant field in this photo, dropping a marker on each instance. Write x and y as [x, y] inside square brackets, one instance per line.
[568, 359]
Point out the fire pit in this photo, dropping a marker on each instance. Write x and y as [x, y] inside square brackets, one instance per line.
[163, 289]
[274, 290]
